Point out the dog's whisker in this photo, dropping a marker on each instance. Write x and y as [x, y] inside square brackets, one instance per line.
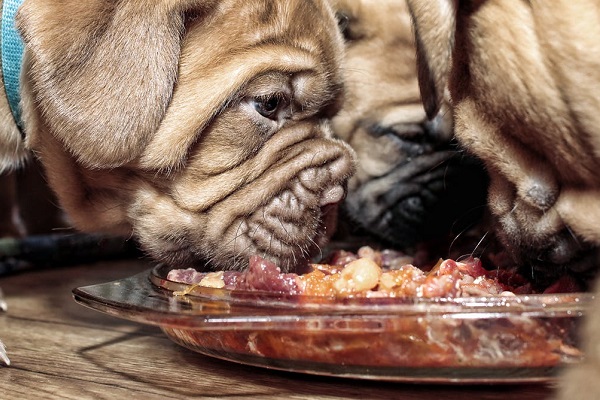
[271, 242]
[479, 243]
[317, 247]
[237, 233]
[288, 236]
[573, 235]
[242, 251]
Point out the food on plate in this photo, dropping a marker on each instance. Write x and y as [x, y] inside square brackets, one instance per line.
[371, 273]
[448, 330]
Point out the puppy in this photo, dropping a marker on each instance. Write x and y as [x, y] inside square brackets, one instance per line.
[412, 184]
[523, 93]
[198, 127]
[523, 78]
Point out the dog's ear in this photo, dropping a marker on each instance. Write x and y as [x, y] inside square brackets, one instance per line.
[103, 72]
[434, 25]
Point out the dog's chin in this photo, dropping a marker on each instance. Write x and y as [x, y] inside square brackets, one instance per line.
[290, 230]
[426, 198]
[291, 253]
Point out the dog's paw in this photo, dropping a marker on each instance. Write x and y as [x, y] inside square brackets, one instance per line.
[3, 305]
[3, 356]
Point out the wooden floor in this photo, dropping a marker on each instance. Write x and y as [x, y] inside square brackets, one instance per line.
[61, 350]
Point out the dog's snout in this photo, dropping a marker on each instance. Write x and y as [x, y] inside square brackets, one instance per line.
[541, 195]
[332, 195]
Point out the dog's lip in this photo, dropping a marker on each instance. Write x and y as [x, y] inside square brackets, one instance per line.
[332, 195]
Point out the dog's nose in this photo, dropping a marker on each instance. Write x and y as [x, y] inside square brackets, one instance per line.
[332, 195]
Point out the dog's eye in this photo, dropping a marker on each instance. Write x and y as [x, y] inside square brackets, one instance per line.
[413, 132]
[269, 106]
[343, 20]
[349, 26]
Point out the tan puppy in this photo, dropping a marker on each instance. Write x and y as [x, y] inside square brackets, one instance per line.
[412, 183]
[523, 80]
[199, 127]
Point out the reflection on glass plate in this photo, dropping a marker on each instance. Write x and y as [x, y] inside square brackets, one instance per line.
[463, 340]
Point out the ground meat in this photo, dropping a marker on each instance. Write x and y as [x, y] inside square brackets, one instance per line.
[265, 275]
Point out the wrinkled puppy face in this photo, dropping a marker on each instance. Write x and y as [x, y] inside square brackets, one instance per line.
[412, 183]
[198, 127]
[523, 78]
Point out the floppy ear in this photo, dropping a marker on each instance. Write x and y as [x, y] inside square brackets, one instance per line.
[103, 71]
[434, 22]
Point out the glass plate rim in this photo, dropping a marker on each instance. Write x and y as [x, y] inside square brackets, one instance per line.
[531, 304]
[217, 318]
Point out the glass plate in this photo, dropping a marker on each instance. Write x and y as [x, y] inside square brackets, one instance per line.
[512, 339]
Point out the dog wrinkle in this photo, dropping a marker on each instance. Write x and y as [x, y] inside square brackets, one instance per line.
[239, 206]
[275, 161]
[189, 115]
[333, 195]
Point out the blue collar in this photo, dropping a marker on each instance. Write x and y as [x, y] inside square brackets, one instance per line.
[12, 57]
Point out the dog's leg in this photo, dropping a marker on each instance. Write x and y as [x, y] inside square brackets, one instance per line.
[10, 222]
[8, 227]
[3, 356]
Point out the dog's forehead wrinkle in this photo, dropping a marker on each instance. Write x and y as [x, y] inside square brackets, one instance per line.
[402, 112]
[154, 153]
[238, 198]
[306, 92]
[269, 82]
[283, 146]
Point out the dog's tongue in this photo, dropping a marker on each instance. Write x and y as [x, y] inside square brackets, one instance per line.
[332, 195]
